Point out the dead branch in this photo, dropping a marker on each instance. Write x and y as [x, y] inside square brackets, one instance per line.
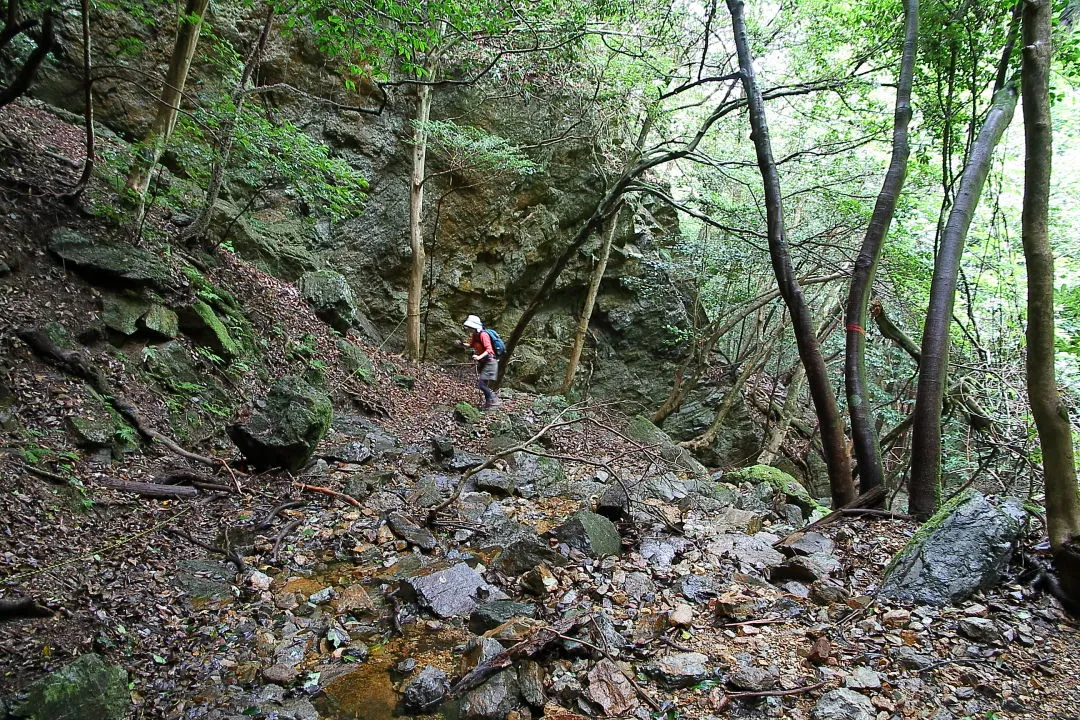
[284, 534]
[533, 643]
[265, 522]
[776, 693]
[43, 474]
[230, 554]
[327, 491]
[153, 490]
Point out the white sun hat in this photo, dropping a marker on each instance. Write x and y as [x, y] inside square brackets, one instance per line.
[473, 322]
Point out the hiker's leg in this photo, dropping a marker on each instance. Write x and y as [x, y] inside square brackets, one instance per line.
[488, 395]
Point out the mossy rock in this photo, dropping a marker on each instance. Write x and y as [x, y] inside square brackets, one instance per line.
[329, 295]
[58, 335]
[109, 262]
[644, 431]
[467, 413]
[356, 361]
[121, 314]
[87, 689]
[783, 483]
[94, 427]
[201, 324]
[284, 433]
[160, 322]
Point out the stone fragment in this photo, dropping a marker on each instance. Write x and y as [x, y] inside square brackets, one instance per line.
[825, 592]
[286, 430]
[803, 568]
[280, 674]
[88, 688]
[478, 650]
[982, 630]
[614, 503]
[736, 606]
[461, 461]
[403, 526]
[467, 413]
[497, 483]
[593, 534]
[750, 551]
[754, 679]
[443, 447]
[843, 704]
[862, 678]
[491, 614]
[680, 670]
[696, 588]
[352, 598]
[531, 678]
[540, 580]
[426, 690]
[610, 689]
[199, 322]
[808, 543]
[911, 659]
[161, 322]
[960, 550]
[356, 362]
[121, 314]
[494, 699]
[780, 481]
[453, 592]
[681, 616]
[526, 553]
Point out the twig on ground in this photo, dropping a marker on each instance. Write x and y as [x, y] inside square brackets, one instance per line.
[44, 474]
[265, 522]
[284, 534]
[327, 491]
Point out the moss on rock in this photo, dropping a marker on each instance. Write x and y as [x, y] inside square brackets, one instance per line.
[783, 483]
[201, 324]
[285, 432]
[86, 689]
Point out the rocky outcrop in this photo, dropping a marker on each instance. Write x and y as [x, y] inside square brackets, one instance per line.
[329, 295]
[284, 433]
[88, 688]
[963, 548]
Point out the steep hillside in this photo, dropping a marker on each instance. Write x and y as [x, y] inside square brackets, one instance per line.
[420, 557]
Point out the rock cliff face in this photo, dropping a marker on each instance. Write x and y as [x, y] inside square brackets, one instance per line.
[491, 238]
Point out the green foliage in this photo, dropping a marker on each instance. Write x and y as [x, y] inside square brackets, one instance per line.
[471, 149]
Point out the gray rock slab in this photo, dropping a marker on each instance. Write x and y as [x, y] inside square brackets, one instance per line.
[680, 670]
[426, 690]
[591, 533]
[843, 704]
[453, 592]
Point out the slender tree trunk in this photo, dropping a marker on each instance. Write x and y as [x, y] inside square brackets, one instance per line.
[924, 491]
[88, 105]
[590, 301]
[187, 38]
[227, 135]
[416, 216]
[863, 433]
[821, 391]
[1051, 415]
[24, 78]
[778, 432]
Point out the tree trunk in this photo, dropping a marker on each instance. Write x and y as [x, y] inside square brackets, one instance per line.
[88, 105]
[1051, 415]
[227, 134]
[590, 301]
[187, 37]
[416, 235]
[863, 433]
[832, 429]
[24, 78]
[924, 490]
[778, 432]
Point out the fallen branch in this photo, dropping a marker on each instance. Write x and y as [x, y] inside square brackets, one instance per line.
[265, 522]
[334, 493]
[775, 693]
[533, 643]
[228, 552]
[43, 474]
[862, 505]
[22, 608]
[284, 534]
[759, 621]
[151, 489]
[640, 690]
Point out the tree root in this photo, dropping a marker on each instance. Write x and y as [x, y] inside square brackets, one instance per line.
[333, 493]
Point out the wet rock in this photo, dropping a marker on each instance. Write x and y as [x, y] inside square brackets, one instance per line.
[531, 678]
[426, 690]
[497, 483]
[614, 503]
[962, 549]
[462, 461]
[982, 630]
[754, 679]
[494, 699]
[88, 688]
[525, 553]
[453, 592]
[593, 534]
[489, 615]
[610, 689]
[804, 568]
[443, 447]
[286, 430]
[696, 588]
[329, 295]
[680, 670]
[809, 543]
[111, 263]
[403, 526]
[477, 651]
[843, 704]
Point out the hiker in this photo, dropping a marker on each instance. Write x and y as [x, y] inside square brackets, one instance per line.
[487, 366]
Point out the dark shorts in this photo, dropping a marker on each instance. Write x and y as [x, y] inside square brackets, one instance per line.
[488, 370]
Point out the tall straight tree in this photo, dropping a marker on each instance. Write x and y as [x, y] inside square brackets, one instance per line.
[1051, 415]
[924, 489]
[821, 391]
[189, 24]
[863, 432]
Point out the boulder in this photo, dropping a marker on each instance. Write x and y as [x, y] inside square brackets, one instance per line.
[357, 362]
[121, 314]
[960, 550]
[87, 689]
[783, 483]
[591, 533]
[285, 431]
[201, 324]
[843, 704]
[467, 413]
[426, 690]
[681, 669]
[329, 295]
[454, 591]
[107, 262]
[160, 322]
[642, 429]
[494, 699]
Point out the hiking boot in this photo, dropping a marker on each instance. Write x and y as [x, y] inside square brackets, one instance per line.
[493, 403]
